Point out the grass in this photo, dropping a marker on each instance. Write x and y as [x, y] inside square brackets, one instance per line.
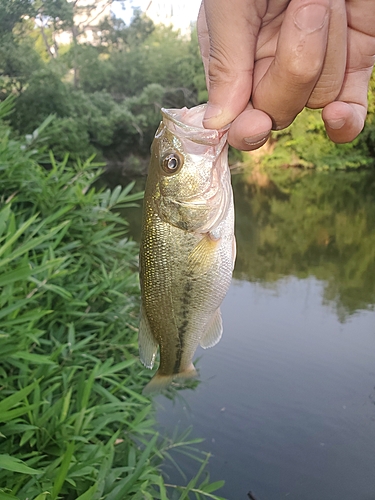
[73, 422]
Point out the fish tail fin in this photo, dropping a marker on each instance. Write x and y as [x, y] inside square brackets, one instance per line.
[157, 384]
[160, 382]
[189, 372]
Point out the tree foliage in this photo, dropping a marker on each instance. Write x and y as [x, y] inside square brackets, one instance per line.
[105, 89]
[306, 144]
[105, 94]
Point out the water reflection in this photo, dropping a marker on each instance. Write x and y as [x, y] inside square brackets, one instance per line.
[284, 402]
[286, 399]
[309, 224]
[302, 223]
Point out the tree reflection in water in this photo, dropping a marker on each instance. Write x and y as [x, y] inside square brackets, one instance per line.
[303, 223]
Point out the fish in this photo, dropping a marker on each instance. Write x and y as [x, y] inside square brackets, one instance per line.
[188, 246]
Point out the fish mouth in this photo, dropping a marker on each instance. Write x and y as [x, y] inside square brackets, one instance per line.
[188, 123]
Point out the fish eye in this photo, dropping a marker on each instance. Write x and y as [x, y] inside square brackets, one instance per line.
[171, 163]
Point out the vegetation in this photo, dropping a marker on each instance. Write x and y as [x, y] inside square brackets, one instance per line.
[305, 144]
[73, 422]
[106, 86]
[105, 90]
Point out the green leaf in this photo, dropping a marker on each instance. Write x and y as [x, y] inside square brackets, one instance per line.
[43, 496]
[7, 496]
[6, 416]
[114, 196]
[17, 234]
[16, 465]
[37, 359]
[122, 489]
[63, 471]
[89, 494]
[163, 492]
[29, 244]
[103, 371]
[4, 216]
[15, 398]
[22, 273]
[209, 488]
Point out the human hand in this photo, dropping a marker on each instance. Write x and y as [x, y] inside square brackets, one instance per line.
[266, 60]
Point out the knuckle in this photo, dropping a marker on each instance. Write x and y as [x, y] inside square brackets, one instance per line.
[304, 68]
[304, 74]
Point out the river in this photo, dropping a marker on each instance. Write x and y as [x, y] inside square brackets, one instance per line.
[286, 400]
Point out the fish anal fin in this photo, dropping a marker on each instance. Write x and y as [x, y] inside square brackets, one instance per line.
[203, 255]
[213, 331]
[148, 346]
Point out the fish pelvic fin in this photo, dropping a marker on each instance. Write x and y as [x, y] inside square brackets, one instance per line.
[148, 346]
[203, 255]
[159, 382]
[214, 331]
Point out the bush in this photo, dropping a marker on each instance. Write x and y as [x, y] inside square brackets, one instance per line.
[45, 94]
[305, 143]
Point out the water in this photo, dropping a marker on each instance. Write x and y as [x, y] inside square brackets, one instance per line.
[286, 400]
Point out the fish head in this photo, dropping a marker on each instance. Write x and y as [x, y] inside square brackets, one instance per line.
[189, 171]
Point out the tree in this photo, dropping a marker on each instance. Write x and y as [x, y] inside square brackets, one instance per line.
[12, 12]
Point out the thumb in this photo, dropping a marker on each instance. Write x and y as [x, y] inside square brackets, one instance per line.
[227, 33]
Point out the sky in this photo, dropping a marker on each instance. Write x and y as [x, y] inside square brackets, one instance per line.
[186, 13]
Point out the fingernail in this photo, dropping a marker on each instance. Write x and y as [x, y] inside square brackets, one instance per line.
[255, 140]
[212, 111]
[336, 124]
[311, 18]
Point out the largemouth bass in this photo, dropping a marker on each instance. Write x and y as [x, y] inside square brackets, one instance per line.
[187, 247]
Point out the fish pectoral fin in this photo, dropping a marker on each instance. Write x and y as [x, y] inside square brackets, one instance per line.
[213, 332]
[234, 250]
[148, 346]
[203, 254]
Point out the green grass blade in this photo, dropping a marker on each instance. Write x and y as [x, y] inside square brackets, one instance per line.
[22, 273]
[63, 471]
[37, 359]
[16, 465]
[15, 398]
[7, 496]
[89, 494]
[122, 489]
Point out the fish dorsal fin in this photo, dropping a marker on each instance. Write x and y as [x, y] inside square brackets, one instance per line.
[148, 346]
[213, 331]
[203, 255]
